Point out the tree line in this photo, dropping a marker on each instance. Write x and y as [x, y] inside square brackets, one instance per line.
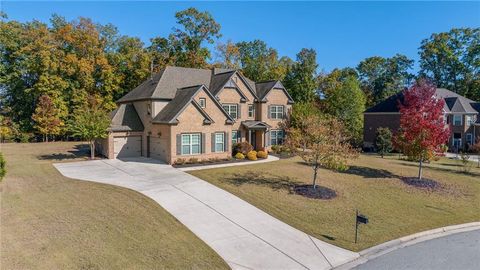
[49, 73]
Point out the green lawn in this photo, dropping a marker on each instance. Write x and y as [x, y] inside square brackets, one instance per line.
[372, 185]
[51, 222]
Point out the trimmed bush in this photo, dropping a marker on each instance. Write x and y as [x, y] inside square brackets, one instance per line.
[262, 154]
[252, 155]
[242, 147]
[180, 161]
[192, 160]
[3, 165]
[239, 156]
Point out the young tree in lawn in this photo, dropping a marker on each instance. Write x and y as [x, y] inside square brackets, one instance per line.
[384, 141]
[326, 144]
[46, 117]
[90, 123]
[422, 127]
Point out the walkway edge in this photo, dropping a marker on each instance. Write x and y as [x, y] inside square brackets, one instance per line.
[387, 247]
[270, 158]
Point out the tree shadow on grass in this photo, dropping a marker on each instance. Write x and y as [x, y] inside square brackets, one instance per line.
[458, 170]
[80, 150]
[260, 179]
[367, 172]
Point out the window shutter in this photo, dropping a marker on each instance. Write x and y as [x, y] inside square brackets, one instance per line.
[269, 111]
[267, 139]
[226, 142]
[179, 144]
[203, 143]
[239, 114]
[213, 143]
[284, 113]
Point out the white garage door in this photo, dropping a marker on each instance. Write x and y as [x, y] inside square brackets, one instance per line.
[129, 146]
[156, 150]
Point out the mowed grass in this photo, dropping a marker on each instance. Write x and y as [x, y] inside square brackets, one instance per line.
[51, 222]
[372, 185]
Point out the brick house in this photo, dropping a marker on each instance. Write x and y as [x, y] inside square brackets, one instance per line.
[196, 113]
[461, 114]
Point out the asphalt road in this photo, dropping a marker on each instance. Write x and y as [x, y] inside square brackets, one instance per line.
[457, 251]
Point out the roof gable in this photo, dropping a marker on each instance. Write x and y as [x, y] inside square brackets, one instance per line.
[125, 118]
[264, 88]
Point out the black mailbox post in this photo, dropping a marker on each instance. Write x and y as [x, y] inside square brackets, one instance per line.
[359, 219]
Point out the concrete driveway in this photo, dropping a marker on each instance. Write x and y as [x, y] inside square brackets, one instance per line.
[244, 236]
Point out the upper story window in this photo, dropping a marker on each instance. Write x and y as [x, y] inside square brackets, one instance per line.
[251, 110]
[202, 102]
[457, 120]
[231, 109]
[469, 120]
[276, 112]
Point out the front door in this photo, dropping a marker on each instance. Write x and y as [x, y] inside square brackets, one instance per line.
[254, 139]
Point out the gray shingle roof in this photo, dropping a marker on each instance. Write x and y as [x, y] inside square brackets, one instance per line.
[184, 97]
[263, 88]
[165, 83]
[219, 80]
[125, 118]
[454, 103]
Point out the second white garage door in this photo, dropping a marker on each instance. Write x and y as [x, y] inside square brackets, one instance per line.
[129, 146]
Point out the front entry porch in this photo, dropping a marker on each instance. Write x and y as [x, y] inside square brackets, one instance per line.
[256, 133]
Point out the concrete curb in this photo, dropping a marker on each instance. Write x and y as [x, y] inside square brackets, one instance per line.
[387, 247]
[204, 167]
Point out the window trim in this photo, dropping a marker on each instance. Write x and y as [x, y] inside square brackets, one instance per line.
[190, 144]
[467, 140]
[274, 115]
[222, 142]
[469, 120]
[230, 105]
[461, 120]
[252, 112]
[276, 137]
[237, 135]
[204, 100]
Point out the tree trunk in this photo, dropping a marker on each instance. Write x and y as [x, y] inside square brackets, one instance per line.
[420, 169]
[92, 149]
[315, 171]
[46, 137]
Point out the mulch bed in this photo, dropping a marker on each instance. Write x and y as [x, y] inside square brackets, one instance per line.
[423, 183]
[322, 193]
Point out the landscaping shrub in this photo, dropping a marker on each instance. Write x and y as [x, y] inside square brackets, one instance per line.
[262, 154]
[239, 156]
[252, 155]
[192, 160]
[3, 169]
[275, 148]
[242, 147]
[180, 161]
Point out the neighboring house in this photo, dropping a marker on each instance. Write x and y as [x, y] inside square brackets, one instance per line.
[461, 114]
[196, 113]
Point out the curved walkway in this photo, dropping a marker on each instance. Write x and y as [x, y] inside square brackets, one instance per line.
[244, 236]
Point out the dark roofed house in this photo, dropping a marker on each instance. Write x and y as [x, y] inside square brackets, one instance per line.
[461, 113]
[184, 113]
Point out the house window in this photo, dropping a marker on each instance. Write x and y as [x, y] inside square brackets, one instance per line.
[231, 109]
[202, 102]
[219, 142]
[251, 110]
[457, 120]
[469, 138]
[469, 120]
[276, 112]
[236, 136]
[276, 137]
[190, 144]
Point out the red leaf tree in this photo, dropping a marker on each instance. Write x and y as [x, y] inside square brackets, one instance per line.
[423, 130]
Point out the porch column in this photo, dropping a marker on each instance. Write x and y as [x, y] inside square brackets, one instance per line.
[249, 136]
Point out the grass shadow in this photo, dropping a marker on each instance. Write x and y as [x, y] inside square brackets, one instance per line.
[254, 178]
[444, 169]
[367, 172]
[80, 151]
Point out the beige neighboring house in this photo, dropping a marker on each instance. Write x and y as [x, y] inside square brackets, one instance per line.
[196, 113]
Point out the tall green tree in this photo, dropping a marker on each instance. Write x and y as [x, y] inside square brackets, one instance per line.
[383, 141]
[452, 60]
[344, 99]
[301, 76]
[260, 62]
[382, 77]
[228, 55]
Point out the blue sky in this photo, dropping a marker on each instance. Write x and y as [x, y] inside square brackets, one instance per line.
[342, 33]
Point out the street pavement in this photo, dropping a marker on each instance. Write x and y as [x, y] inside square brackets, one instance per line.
[459, 251]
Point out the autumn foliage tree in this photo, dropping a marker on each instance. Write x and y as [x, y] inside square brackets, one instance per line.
[321, 143]
[46, 117]
[422, 127]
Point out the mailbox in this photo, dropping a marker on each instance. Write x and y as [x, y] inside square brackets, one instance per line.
[362, 219]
